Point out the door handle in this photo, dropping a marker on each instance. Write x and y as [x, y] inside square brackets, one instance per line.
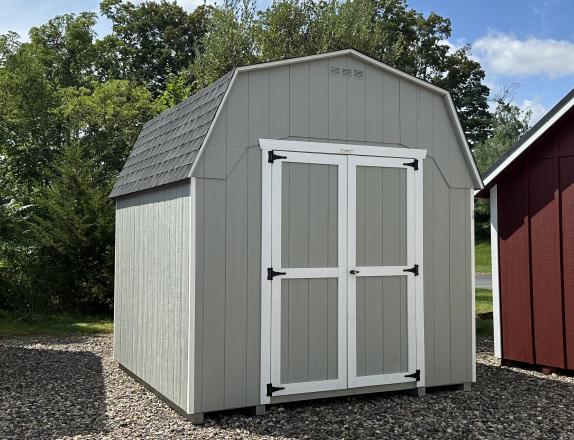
[354, 272]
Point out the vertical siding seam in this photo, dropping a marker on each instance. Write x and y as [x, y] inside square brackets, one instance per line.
[247, 268]
[203, 214]
[557, 180]
[400, 118]
[531, 289]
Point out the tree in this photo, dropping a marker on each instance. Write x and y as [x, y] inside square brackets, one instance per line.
[65, 47]
[104, 120]
[509, 123]
[72, 236]
[150, 41]
[228, 43]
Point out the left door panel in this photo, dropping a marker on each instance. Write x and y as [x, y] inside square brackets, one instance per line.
[308, 245]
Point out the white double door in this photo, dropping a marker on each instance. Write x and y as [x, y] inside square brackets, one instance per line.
[343, 272]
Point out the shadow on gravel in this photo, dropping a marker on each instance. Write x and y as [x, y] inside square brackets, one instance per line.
[46, 394]
[504, 403]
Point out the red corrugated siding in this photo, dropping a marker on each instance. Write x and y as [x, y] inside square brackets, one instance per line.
[536, 248]
[545, 263]
[514, 267]
[567, 200]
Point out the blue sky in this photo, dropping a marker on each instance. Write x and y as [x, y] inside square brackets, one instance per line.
[528, 42]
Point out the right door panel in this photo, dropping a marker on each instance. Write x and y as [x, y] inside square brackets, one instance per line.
[382, 340]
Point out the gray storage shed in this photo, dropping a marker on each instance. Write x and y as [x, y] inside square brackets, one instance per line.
[298, 229]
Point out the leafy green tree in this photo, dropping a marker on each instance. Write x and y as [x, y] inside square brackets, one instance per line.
[228, 43]
[65, 46]
[30, 134]
[105, 120]
[509, 123]
[150, 41]
[72, 236]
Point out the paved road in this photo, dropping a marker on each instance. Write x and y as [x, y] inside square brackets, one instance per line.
[483, 281]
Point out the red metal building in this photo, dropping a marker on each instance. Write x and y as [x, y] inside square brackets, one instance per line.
[531, 191]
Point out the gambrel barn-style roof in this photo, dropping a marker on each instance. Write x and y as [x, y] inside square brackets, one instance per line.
[170, 144]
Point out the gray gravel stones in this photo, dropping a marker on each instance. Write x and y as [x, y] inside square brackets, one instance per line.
[72, 388]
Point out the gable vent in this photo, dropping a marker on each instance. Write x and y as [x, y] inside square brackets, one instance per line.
[346, 72]
[334, 71]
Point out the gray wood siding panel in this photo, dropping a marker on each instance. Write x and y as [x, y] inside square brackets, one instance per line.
[236, 286]
[214, 290]
[441, 137]
[459, 296]
[382, 345]
[381, 216]
[215, 154]
[307, 328]
[374, 105]
[279, 104]
[425, 125]
[309, 216]
[391, 109]
[442, 295]
[237, 106]
[258, 104]
[319, 99]
[428, 269]
[459, 175]
[356, 96]
[409, 113]
[337, 103]
[199, 293]
[299, 100]
[152, 296]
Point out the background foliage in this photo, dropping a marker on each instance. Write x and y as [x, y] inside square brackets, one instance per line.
[72, 104]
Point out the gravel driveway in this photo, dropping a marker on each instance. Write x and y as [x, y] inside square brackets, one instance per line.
[71, 388]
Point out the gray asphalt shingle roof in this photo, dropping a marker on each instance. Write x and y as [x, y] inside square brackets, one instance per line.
[167, 146]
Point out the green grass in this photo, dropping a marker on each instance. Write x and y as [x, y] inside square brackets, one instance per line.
[53, 325]
[483, 300]
[482, 257]
[483, 303]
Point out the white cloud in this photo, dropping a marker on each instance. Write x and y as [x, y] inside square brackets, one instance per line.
[536, 107]
[506, 54]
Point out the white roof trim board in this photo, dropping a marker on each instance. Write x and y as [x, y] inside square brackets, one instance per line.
[530, 137]
[122, 187]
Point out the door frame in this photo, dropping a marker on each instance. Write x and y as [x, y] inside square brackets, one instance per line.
[268, 145]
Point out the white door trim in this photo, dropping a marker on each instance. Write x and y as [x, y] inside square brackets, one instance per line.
[344, 149]
[495, 271]
[266, 257]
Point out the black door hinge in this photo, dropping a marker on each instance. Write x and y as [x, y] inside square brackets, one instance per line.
[416, 376]
[414, 164]
[414, 270]
[272, 157]
[272, 274]
[271, 389]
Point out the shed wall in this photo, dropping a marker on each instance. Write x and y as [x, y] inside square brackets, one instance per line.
[535, 210]
[151, 299]
[302, 101]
